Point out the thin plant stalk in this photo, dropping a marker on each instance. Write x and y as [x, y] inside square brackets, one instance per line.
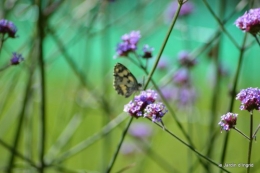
[257, 40]
[119, 146]
[41, 25]
[250, 142]
[192, 149]
[20, 123]
[233, 93]
[18, 154]
[2, 42]
[258, 127]
[216, 89]
[163, 45]
[89, 141]
[241, 133]
[220, 24]
[197, 52]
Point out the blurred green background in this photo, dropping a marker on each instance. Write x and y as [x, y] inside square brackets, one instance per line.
[79, 45]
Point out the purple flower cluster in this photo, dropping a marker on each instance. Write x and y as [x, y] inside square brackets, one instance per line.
[7, 27]
[128, 44]
[155, 111]
[181, 76]
[182, 92]
[16, 59]
[228, 121]
[184, 96]
[250, 99]
[185, 59]
[250, 21]
[144, 105]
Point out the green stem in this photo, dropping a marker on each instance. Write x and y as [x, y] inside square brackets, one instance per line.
[2, 42]
[241, 133]
[192, 148]
[139, 60]
[198, 52]
[233, 93]
[119, 145]
[21, 116]
[163, 45]
[18, 154]
[258, 127]
[221, 24]
[41, 27]
[250, 142]
[257, 40]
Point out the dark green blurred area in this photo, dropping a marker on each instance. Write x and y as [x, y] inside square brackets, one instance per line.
[87, 32]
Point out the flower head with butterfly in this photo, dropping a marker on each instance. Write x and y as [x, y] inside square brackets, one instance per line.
[125, 83]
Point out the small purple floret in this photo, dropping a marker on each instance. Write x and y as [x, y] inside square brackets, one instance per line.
[16, 59]
[7, 27]
[185, 59]
[128, 44]
[155, 111]
[228, 121]
[147, 51]
[250, 99]
[250, 21]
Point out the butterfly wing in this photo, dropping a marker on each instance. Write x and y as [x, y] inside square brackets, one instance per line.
[124, 81]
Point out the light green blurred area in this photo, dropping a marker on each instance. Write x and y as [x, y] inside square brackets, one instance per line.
[88, 32]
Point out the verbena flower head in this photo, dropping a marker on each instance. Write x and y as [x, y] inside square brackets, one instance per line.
[132, 38]
[181, 76]
[140, 130]
[185, 59]
[144, 105]
[186, 9]
[16, 59]
[250, 21]
[162, 64]
[250, 99]
[128, 44]
[228, 121]
[155, 111]
[147, 51]
[7, 27]
[136, 107]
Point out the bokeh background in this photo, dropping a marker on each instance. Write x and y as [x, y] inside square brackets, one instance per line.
[83, 113]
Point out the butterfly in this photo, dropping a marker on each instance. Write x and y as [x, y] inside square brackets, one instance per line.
[124, 81]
